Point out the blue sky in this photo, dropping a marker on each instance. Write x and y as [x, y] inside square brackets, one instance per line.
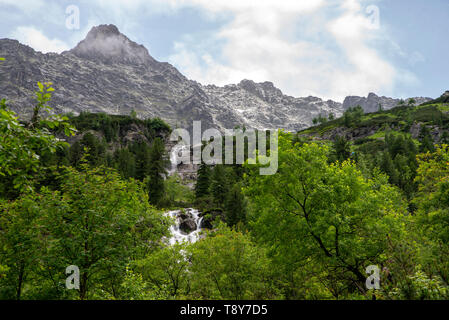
[325, 48]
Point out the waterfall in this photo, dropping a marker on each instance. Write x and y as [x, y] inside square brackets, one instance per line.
[177, 235]
[174, 157]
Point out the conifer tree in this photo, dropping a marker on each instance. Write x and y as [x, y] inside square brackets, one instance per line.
[389, 168]
[203, 181]
[219, 184]
[426, 141]
[157, 171]
[235, 206]
[341, 149]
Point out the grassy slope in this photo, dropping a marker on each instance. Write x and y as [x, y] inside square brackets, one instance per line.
[398, 120]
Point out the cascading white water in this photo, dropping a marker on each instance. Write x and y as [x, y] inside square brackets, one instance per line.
[177, 235]
[175, 154]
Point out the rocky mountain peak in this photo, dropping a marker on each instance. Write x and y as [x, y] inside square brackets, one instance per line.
[124, 77]
[265, 90]
[104, 29]
[107, 44]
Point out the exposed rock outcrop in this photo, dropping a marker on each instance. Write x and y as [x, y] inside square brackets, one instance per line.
[107, 72]
[187, 223]
[372, 102]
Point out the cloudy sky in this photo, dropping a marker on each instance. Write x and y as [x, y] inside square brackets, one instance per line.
[325, 48]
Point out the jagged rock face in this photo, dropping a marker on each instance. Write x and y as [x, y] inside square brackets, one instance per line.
[371, 103]
[106, 44]
[107, 72]
[88, 84]
[264, 107]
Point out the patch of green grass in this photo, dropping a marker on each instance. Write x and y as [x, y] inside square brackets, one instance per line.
[322, 128]
[328, 128]
[400, 116]
[380, 134]
[378, 118]
[371, 146]
[378, 115]
[443, 107]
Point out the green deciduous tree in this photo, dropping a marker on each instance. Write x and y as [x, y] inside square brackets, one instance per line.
[176, 193]
[21, 147]
[228, 265]
[166, 270]
[433, 208]
[325, 215]
[96, 222]
[19, 249]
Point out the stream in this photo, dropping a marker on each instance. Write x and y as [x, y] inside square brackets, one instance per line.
[177, 234]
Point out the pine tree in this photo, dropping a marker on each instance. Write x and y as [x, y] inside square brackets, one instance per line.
[219, 184]
[235, 206]
[341, 149]
[142, 159]
[90, 144]
[427, 145]
[389, 168]
[426, 140]
[157, 171]
[125, 163]
[203, 181]
[445, 138]
[75, 154]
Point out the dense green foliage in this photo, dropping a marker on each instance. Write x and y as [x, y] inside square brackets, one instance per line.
[156, 171]
[114, 127]
[96, 221]
[218, 193]
[133, 147]
[309, 231]
[352, 116]
[323, 215]
[53, 216]
[22, 145]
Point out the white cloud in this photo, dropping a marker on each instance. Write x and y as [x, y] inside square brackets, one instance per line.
[285, 6]
[306, 47]
[38, 41]
[259, 44]
[367, 71]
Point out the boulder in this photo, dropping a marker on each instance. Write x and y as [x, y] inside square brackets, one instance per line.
[209, 217]
[188, 225]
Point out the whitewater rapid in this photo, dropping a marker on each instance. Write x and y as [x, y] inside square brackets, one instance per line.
[177, 235]
[176, 155]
